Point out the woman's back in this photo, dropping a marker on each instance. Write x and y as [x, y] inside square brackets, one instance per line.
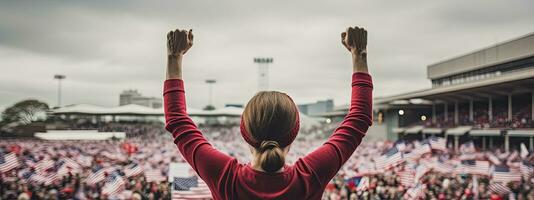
[306, 179]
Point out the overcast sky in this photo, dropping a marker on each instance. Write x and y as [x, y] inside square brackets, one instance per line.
[105, 47]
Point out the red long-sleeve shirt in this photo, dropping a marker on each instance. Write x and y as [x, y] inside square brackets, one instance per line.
[306, 179]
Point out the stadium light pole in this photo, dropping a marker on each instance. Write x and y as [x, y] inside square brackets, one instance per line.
[210, 83]
[59, 78]
[263, 76]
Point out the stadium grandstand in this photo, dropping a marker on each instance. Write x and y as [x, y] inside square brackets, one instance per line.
[486, 95]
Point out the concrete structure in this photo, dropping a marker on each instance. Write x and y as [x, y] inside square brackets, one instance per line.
[134, 97]
[498, 81]
[317, 108]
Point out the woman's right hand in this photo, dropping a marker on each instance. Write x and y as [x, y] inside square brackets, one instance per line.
[355, 40]
[179, 41]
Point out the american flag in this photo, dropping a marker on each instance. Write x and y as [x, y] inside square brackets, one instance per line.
[438, 143]
[410, 157]
[391, 158]
[114, 185]
[492, 158]
[44, 165]
[505, 174]
[420, 171]
[442, 167]
[8, 162]
[415, 193]
[474, 167]
[365, 169]
[154, 175]
[85, 161]
[65, 166]
[98, 174]
[190, 188]
[499, 188]
[132, 170]
[407, 177]
[421, 148]
[32, 177]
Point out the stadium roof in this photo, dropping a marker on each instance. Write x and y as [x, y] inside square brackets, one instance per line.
[502, 52]
[88, 109]
[132, 109]
[513, 82]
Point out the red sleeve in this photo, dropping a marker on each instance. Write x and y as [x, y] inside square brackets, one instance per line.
[208, 162]
[326, 161]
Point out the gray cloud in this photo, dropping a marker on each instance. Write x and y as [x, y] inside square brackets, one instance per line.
[104, 47]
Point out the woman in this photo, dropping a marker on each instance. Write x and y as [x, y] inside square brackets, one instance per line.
[269, 124]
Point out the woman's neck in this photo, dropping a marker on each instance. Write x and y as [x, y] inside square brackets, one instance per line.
[257, 167]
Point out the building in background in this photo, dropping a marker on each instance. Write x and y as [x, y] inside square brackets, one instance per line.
[485, 96]
[134, 97]
[317, 108]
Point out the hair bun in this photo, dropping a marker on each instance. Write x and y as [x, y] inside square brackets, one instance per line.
[269, 144]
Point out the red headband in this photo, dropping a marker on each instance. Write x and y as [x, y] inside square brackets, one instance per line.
[283, 139]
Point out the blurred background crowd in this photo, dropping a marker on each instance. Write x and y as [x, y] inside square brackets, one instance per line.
[137, 166]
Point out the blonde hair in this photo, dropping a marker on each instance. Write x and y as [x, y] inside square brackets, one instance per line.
[267, 116]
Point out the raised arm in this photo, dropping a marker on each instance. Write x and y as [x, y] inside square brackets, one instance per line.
[325, 161]
[355, 40]
[207, 161]
[178, 43]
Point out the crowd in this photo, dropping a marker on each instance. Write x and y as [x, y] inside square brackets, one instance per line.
[426, 172]
[137, 167]
[521, 118]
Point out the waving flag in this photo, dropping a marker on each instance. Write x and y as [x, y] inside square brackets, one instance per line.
[32, 177]
[443, 167]
[44, 165]
[132, 170]
[85, 161]
[98, 174]
[438, 143]
[360, 183]
[67, 166]
[493, 159]
[505, 174]
[499, 188]
[420, 171]
[391, 158]
[8, 162]
[421, 148]
[190, 188]
[415, 193]
[114, 185]
[154, 175]
[407, 177]
[474, 167]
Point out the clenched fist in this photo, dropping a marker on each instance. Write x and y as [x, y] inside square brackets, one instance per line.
[179, 41]
[355, 40]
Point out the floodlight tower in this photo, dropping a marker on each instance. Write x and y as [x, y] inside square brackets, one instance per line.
[263, 75]
[210, 83]
[59, 77]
